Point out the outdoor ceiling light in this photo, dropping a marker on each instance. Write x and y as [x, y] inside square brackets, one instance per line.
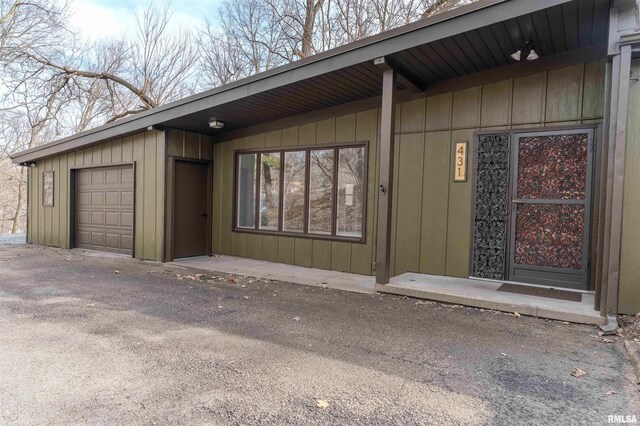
[215, 123]
[527, 50]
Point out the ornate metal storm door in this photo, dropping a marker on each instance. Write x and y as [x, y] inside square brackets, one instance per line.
[549, 208]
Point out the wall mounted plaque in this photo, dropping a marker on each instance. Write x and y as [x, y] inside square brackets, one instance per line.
[460, 163]
[47, 189]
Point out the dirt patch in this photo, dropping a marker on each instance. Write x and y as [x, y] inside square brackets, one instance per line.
[630, 327]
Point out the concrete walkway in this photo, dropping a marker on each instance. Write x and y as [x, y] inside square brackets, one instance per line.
[281, 272]
[460, 291]
[485, 294]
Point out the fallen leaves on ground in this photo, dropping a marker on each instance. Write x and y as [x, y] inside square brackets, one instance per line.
[611, 392]
[296, 318]
[516, 314]
[578, 373]
[321, 403]
[90, 305]
[232, 280]
[116, 271]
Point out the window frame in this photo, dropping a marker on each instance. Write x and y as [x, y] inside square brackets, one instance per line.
[305, 233]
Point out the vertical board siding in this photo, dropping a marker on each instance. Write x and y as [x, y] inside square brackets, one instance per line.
[52, 225]
[431, 229]
[408, 203]
[432, 215]
[435, 202]
[424, 186]
[336, 255]
[629, 299]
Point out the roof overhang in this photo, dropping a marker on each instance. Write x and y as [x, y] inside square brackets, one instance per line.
[315, 82]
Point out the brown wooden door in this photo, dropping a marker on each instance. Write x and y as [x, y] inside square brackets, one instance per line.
[550, 206]
[104, 209]
[191, 209]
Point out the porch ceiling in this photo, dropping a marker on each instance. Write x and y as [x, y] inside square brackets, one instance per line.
[467, 40]
[572, 25]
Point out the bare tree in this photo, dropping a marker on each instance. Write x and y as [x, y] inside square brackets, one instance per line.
[33, 23]
[257, 35]
[222, 60]
[154, 68]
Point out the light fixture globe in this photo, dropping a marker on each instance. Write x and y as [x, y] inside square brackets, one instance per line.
[214, 123]
[517, 55]
[532, 56]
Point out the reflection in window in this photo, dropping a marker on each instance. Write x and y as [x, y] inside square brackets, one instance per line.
[351, 177]
[246, 212]
[316, 191]
[269, 190]
[321, 191]
[293, 191]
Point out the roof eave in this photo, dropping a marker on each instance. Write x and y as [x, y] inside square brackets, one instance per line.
[423, 31]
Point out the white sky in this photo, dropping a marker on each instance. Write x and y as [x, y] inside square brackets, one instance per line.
[96, 19]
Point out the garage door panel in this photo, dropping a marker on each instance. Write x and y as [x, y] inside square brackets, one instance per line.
[84, 198]
[126, 219]
[84, 237]
[97, 218]
[112, 176]
[97, 238]
[127, 242]
[104, 209]
[112, 198]
[84, 177]
[97, 176]
[127, 175]
[112, 241]
[126, 198]
[97, 198]
[111, 218]
[83, 217]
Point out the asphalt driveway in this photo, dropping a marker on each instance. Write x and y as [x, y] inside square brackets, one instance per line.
[92, 339]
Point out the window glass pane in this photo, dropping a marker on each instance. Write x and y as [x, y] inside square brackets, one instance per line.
[269, 190]
[293, 195]
[351, 189]
[321, 191]
[246, 213]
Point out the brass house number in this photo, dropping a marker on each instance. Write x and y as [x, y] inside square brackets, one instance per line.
[460, 166]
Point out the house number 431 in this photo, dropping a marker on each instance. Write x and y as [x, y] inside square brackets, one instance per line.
[460, 164]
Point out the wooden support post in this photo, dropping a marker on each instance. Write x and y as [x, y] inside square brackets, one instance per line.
[385, 189]
[618, 144]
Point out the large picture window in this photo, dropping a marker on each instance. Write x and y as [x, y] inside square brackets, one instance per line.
[319, 192]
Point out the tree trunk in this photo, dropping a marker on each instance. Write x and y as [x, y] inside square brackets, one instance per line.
[309, 23]
[20, 202]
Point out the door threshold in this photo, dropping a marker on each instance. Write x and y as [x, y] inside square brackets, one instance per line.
[532, 285]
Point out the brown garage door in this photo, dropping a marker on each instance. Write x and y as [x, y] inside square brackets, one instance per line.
[104, 209]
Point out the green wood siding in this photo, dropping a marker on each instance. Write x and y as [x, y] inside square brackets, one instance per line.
[629, 300]
[336, 255]
[52, 225]
[432, 214]
[431, 229]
